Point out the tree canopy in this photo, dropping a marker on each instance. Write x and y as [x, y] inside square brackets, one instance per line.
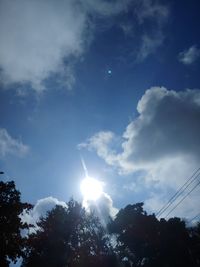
[11, 241]
[143, 240]
[70, 236]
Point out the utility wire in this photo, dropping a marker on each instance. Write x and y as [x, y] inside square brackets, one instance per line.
[189, 181]
[195, 217]
[182, 200]
[178, 193]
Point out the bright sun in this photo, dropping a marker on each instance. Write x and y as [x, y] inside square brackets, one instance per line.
[91, 188]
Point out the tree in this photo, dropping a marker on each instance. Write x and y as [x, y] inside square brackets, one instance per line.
[11, 241]
[175, 243]
[68, 237]
[142, 240]
[72, 237]
[194, 246]
[136, 235]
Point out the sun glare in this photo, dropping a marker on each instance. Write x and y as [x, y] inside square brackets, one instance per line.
[91, 188]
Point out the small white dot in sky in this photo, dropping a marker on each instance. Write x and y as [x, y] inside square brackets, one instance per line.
[109, 72]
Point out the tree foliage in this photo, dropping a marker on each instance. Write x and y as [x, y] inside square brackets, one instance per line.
[143, 240]
[68, 237]
[72, 237]
[11, 241]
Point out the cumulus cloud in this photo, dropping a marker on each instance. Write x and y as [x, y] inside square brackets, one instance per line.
[190, 55]
[40, 209]
[163, 140]
[9, 145]
[103, 207]
[168, 125]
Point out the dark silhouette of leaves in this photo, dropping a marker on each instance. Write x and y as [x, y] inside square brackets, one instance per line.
[72, 237]
[11, 242]
[68, 237]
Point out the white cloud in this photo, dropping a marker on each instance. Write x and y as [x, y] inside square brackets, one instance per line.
[40, 209]
[132, 187]
[9, 145]
[167, 126]
[163, 140]
[149, 44]
[152, 9]
[106, 8]
[38, 36]
[150, 19]
[155, 14]
[190, 55]
[103, 207]
[102, 143]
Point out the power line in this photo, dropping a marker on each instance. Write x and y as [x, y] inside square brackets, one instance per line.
[182, 200]
[189, 181]
[178, 193]
[195, 217]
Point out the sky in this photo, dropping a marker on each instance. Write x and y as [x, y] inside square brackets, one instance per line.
[112, 83]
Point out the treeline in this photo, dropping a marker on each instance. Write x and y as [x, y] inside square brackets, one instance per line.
[71, 237]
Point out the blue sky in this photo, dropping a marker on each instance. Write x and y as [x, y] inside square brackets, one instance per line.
[74, 77]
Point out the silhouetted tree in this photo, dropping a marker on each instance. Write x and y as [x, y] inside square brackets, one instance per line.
[68, 237]
[72, 237]
[11, 242]
[174, 243]
[194, 247]
[137, 235]
[142, 240]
